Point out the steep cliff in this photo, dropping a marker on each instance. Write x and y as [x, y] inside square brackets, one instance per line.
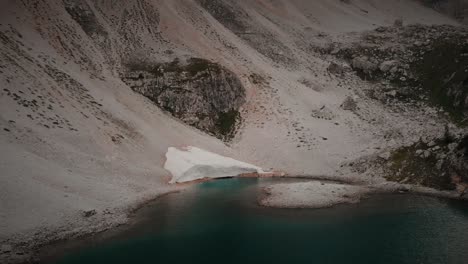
[200, 93]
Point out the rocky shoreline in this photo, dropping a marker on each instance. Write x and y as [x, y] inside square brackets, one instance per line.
[313, 192]
[42, 246]
[318, 194]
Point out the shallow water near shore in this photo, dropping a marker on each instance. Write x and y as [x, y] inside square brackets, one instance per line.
[221, 222]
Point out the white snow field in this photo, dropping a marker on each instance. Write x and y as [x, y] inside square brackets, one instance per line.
[191, 163]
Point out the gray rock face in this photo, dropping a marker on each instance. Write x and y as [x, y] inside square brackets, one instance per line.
[364, 64]
[200, 93]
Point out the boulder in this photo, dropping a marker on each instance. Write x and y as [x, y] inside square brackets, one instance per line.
[385, 155]
[336, 69]
[398, 23]
[426, 154]
[88, 213]
[364, 64]
[6, 248]
[349, 104]
[386, 66]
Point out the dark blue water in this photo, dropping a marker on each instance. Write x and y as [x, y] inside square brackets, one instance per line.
[220, 222]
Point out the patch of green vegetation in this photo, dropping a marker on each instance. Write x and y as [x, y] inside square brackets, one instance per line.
[226, 122]
[407, 166]
[443, 73]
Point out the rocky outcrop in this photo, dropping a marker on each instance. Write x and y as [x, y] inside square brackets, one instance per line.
[200, 93]
[440, 163]
[421, 66]
[417, 63]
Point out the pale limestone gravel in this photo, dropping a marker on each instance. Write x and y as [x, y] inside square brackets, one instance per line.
[313, 194]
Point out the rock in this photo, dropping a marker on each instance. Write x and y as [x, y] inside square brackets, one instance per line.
[364, 64]
[336, 69]
[322, 34]
[424, 140]
[381, 29]
[199, 92]
[392, 93]
[88, 213]
[385, 155]
[452, 147]
[386, 66]
[335, 51]
[419, 152]
[6, 248]
[431, 144]
[404, 180]
[398, 23]
[349, 104]
[426, 154]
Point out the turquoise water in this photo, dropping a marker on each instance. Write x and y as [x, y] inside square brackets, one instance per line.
[220, 222]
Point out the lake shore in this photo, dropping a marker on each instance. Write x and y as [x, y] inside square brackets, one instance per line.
[317, 194]
[312, 192]
[199, 201]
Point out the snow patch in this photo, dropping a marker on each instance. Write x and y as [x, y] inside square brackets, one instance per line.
[191, 163]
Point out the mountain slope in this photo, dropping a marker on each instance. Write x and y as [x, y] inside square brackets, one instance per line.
[76, 138]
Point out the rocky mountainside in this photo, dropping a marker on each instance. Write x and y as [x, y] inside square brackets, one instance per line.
[93, 93]
[414, 63]
[421, 66]
[200, 93]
